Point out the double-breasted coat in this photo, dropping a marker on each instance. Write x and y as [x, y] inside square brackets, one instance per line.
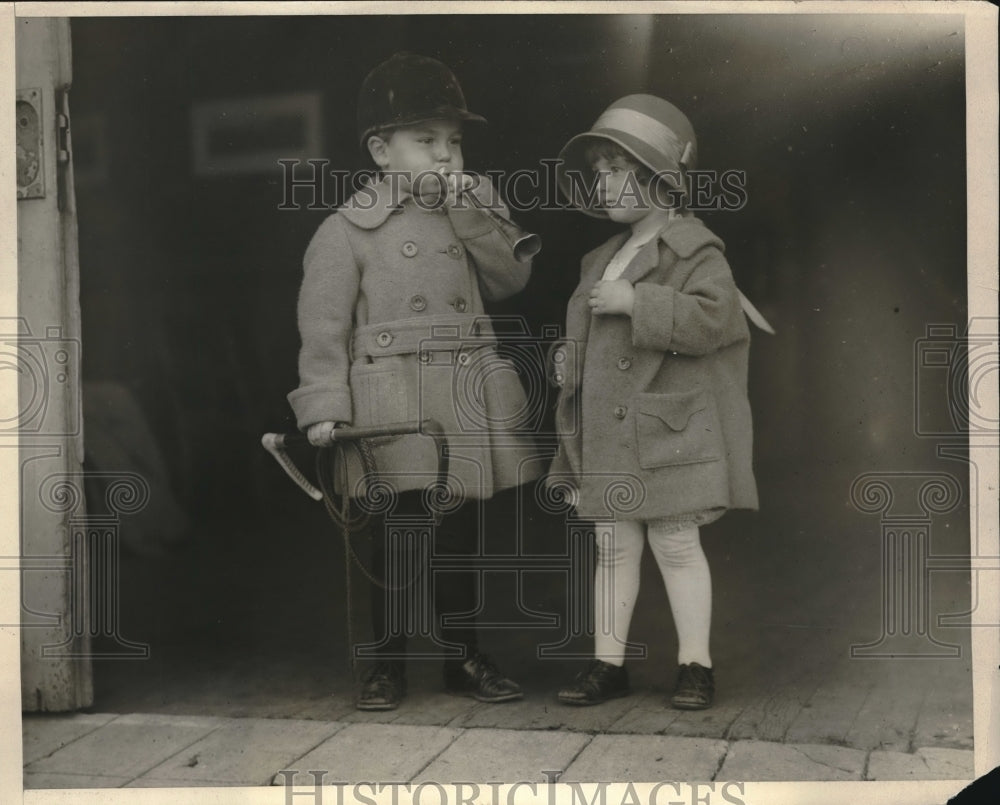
[393, 329]
[653, 412]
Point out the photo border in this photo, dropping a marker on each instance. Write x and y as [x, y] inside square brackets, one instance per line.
[982, 193]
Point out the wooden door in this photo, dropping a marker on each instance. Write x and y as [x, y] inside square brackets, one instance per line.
[44, 333]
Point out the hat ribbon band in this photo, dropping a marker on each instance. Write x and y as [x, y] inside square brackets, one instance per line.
[646, 128]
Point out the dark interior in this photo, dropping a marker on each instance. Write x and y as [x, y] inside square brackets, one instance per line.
[852, 243]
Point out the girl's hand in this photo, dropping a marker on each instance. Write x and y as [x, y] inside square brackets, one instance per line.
[321, 434]
[616, 297]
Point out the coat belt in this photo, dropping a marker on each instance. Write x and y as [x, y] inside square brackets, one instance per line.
[427, 333]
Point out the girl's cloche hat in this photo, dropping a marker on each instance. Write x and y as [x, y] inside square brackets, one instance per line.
[653, 131]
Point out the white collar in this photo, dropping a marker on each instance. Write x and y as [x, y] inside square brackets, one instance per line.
[645, 229]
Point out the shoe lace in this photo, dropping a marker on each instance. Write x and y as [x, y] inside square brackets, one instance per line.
[695, 676]
[596, 673]
[484, 667]
[383, 672]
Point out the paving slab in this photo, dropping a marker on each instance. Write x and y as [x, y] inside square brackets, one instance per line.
[924, 764]
[44, 734]
[327, 708]
[371, 752]
[768, 716]
[45, 780]
[355, 716]
[127, 746]
[247, 751]
[646, 758]
[766, 762]
[831, 711]
[143, 782]
[437, 709]
[647, 714]
[542, 711]
[888, 718]
[504, 756]
[946, 715]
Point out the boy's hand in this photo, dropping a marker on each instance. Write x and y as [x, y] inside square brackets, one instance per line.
[458, 183]
[442, 187]
[616, 297]
[321, 434]
[565, 491]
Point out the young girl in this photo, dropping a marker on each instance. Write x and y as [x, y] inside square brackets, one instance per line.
[660, 387]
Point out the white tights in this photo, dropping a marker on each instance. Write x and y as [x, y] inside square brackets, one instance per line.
[686, 576]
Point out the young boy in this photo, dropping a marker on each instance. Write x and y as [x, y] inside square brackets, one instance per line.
[662, 388]
[393, 329]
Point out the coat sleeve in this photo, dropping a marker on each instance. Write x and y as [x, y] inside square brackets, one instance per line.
[499, 274]
[560, 466]
[326, 304]
[701, 317]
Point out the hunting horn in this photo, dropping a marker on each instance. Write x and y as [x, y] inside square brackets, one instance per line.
[524, 244]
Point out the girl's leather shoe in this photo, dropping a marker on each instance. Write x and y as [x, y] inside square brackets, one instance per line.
[479, 677]
[598, 683]
[695, 689]
[383, 688]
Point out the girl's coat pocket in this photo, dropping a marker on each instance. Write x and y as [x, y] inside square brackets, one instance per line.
[674, 429]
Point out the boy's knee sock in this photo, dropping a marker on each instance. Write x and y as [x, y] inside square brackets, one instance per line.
[390, 598]
[455, 595]
[455, 592]
[616, 586]
[688, 581]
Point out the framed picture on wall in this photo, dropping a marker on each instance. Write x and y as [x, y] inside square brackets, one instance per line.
[250, 135]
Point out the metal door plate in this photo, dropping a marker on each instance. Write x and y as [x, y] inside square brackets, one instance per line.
[28, 125]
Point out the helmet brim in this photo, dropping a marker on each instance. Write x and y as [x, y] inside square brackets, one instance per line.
[440, 113]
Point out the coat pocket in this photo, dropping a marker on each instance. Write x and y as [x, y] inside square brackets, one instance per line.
[673, 429]
[379, 394]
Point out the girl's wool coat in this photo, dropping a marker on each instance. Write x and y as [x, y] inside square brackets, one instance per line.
[653, 413]
[393, 329]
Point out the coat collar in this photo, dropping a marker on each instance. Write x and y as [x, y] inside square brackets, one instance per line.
[373, 204]
[593, 264]
[683, 235]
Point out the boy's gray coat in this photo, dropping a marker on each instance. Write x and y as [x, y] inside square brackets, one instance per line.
[393, 329]
[653, 412]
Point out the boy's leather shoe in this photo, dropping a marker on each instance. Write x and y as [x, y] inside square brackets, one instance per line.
[598, 683]
[384, 687]
[480, 678]
[695, 689]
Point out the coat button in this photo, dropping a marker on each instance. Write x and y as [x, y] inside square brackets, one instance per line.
[455, 251]
[620, 411]
[460, 305]
[410, 249]
[624, 363]
[418, 303]
[424, 356]
[384, 338]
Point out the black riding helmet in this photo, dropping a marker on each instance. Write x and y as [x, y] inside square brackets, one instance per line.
[406, 89]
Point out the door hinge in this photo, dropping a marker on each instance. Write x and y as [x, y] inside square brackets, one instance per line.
[64, 149]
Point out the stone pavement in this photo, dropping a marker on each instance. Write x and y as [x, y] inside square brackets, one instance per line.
[163, 751]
